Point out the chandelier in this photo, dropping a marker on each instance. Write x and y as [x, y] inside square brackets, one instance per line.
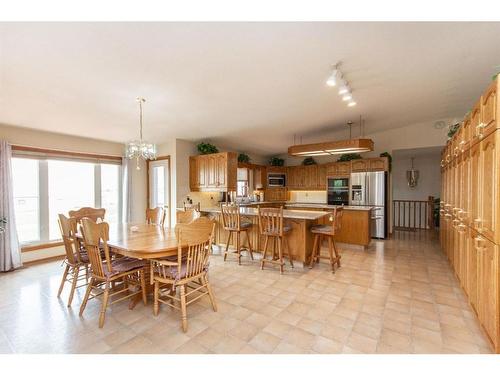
[139, 149]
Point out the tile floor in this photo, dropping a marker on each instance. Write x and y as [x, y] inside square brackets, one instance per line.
[399, 296]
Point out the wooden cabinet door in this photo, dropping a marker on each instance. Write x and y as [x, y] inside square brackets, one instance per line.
[221, 170]
[475, 122]
[466, 136]
[359, 165]
[489, 110]
[378, 164]
[321, 177]
[311, 177]
[488, 186]
[466, 189]
[331, 169]
[193, 174]
[291, 182]
[343, 168]
[211, 170]
[475, 184]
[201, 162]
[472, 269]
[488, 299]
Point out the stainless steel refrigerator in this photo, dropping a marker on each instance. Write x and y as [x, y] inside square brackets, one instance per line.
[370, 189]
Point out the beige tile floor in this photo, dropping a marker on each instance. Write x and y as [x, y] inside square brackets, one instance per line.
[399, 296]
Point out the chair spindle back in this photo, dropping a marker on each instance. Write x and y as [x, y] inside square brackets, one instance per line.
[95, 235]
[271, 221]
[88, 212]
[155, 216]
[68, 229]
[231, 219]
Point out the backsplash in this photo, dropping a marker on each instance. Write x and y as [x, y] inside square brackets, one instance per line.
[308, 196]
[206, 199]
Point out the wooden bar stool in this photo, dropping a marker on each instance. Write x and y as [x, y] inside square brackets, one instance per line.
[327, 231]
[231, 221]
[271, 226]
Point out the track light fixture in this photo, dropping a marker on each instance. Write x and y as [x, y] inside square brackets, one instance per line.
[344, 89]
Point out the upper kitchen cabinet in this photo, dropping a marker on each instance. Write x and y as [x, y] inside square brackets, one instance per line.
[359, 165]
[378, 164]
[213, 172]
[340, 168]
[489, 110]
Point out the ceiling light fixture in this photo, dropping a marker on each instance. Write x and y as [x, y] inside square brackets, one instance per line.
[347, 96]
[344, 89]
[332, 80]
[138, 148]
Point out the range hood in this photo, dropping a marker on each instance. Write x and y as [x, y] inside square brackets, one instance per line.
[347, 146]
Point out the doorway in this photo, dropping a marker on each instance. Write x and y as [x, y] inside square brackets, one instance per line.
[159, 185]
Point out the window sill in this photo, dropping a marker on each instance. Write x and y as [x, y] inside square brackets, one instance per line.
[40, 246]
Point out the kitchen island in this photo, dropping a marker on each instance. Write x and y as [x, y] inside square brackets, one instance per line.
[355, 226]
[300, 239]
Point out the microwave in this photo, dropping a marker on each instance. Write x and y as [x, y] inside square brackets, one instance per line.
[276, 180]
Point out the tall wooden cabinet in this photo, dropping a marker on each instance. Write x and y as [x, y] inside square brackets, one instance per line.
[213, 172]
[470, 210]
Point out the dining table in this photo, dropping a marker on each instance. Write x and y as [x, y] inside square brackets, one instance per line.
[142, 241]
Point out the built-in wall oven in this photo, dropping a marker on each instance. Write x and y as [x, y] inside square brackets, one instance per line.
[338, 190]
[276, 180]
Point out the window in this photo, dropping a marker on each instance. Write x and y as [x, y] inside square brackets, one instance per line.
[71, 186]
[26, 199]
[242, 182]
[110, 191]
[44, 188]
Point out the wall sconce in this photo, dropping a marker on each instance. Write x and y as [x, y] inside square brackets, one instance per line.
[412, 176]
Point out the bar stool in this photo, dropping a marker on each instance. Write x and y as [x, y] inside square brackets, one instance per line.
[271, 226]
[329, 231]
[231, 221]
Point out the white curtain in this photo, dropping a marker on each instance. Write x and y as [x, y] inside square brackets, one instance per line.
[10, 253]
[126, 191]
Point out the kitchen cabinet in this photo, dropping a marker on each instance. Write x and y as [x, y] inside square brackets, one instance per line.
[489, 165]
[276, 194]
[213, 172]
[321, 180]
[378, 164]
[488, 292]
[470, 210]
[489, 110]
[359, 165]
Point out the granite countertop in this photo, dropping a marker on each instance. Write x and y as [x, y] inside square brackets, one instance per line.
[322, 205]
[287, 214]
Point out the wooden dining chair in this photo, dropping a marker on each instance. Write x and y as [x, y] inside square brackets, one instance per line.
[92, 213]
[120, 273]
[188, 273]
[155, 216]
[76, 260]
[328, 232]
[185, 217]
[272, 227]
[231, 221]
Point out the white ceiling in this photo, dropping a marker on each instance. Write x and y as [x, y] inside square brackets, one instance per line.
[250, 86]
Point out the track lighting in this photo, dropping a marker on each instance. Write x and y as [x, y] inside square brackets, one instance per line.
[337, 78]
[344, 88]
[332, 80]
[347, 96]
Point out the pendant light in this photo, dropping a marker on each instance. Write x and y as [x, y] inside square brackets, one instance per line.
[139, 148]
[412, 176]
